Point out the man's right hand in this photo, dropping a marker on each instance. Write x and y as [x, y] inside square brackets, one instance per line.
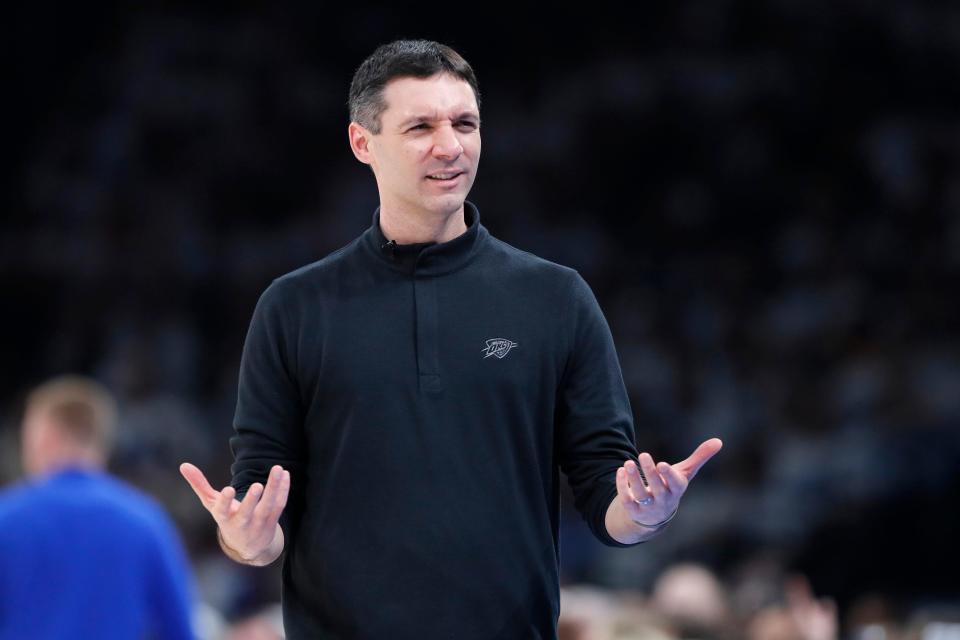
[249, 528]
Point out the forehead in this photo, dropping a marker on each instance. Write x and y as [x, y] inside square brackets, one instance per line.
[440, 96]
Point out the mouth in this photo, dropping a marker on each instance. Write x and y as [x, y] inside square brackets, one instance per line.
[449, 181]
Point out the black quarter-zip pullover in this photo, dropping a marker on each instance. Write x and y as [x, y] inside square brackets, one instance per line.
[424, 398]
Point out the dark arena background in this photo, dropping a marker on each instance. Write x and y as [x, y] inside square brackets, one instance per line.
[764, 196]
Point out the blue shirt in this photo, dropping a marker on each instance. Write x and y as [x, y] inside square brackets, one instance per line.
[84, 555]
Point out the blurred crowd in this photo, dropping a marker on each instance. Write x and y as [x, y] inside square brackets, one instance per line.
[765, 199]
[689, 601]
[759, 602]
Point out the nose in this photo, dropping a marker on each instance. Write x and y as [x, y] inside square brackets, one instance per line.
[446, 144]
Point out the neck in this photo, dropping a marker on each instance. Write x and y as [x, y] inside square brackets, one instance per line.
[409, 228]
[88, 461]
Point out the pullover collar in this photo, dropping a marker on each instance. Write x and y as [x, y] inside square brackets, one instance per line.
[428, 258]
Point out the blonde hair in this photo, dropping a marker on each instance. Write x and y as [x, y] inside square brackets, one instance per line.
[79, 407]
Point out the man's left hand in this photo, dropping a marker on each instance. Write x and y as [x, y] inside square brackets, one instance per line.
[667, 483]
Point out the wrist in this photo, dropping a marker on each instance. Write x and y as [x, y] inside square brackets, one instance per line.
[657, 525]
[263, 558]
[228, 549]
[622, 528]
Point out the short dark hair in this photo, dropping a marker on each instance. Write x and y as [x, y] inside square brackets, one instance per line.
[398, 59]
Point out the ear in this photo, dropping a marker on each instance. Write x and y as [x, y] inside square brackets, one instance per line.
[37, 444]
[360, 139]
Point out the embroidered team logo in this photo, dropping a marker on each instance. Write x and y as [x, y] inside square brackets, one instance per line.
[499, 347]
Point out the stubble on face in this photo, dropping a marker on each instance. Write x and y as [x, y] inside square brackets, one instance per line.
[430, 125]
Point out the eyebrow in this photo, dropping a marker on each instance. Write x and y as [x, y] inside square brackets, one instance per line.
[426, 118]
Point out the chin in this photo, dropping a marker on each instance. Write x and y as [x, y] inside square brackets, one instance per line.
[444, 202]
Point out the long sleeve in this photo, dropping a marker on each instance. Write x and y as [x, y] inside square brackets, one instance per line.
[268, 423]
[595, 432]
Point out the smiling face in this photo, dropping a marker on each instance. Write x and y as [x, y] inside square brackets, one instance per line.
[430, 126]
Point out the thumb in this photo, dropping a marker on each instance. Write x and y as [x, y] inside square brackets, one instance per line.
[700, 456]
[198, 482]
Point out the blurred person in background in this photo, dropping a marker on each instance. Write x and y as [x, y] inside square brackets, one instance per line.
[83, 554]
[414, 393]
[694, 601]
[594, 613]
[799, 616]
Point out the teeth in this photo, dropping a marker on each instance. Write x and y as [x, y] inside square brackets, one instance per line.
[443, 176]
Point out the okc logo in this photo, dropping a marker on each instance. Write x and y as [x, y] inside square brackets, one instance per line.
[499, 347]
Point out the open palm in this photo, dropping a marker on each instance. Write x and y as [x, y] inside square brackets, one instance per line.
[249, 526]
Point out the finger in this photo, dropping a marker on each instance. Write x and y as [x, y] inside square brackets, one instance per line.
[198, 482]
[221, 507]
[623, 489]
[628, 494]
[245, 510]
[676, 483]
[278, 499]
[638, 488]
[270, 492]
[656, 485]
[282, 495]
[698, 458]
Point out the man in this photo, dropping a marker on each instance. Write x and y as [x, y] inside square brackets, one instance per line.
[408, 400]
[83, 554]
